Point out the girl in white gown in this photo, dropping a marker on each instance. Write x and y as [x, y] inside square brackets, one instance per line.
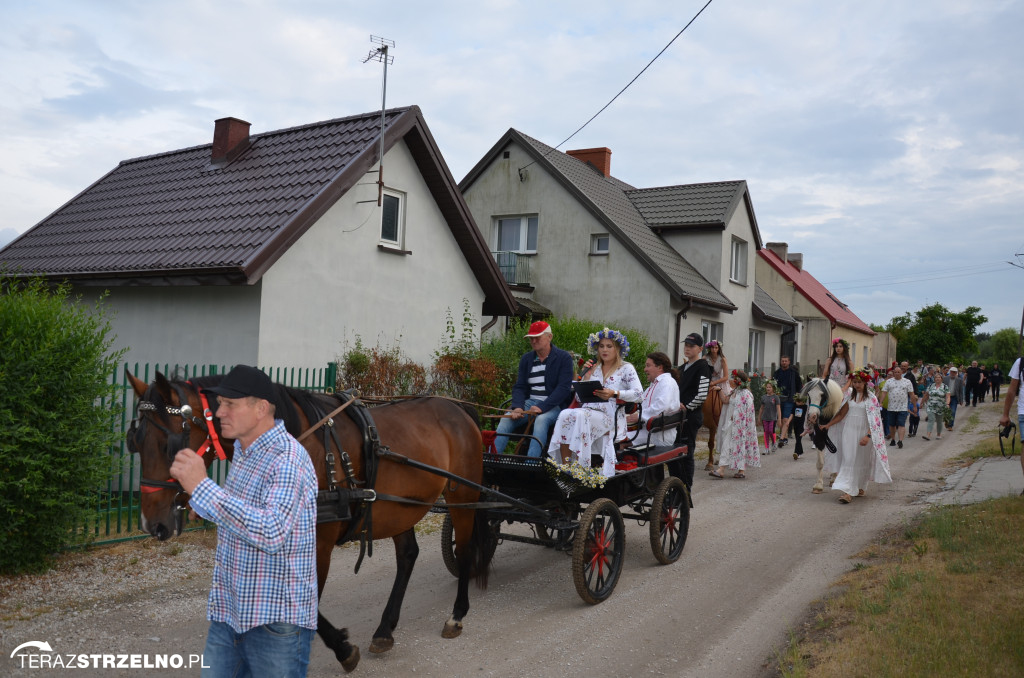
[862, 451]
[593, 428]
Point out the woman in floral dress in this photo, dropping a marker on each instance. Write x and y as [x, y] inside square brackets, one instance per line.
[862, 452]
[738, 442]
[593, 428]
[937, 399]
[839, 364]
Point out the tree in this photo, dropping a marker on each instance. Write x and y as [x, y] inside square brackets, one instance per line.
[935, 334]
[56, 409]
[1005, 346]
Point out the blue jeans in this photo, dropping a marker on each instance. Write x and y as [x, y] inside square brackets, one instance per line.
[278, 649]
[953, 402]
[542, 424]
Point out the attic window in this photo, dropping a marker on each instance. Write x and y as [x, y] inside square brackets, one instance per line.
[599, 243]
[392, 220]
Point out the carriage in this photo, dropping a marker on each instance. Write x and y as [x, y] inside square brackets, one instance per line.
[588, 522]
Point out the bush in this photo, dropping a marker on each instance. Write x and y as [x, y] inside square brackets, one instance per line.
[461, 370]
[57, 410]
[380, 371]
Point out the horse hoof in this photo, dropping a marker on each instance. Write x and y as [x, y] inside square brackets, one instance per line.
[381, 645]
[817, 490]
[451, 629]
[353, 660]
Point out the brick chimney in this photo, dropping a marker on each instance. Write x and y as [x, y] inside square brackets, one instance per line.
[600, 158]
[779, 248]
[797, 260]
[230, 138]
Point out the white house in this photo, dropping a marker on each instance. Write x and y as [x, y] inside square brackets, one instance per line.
[275, 248]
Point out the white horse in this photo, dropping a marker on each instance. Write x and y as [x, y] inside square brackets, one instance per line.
[824, 398]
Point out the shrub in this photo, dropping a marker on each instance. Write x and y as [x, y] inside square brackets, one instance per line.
[380, 371]
[57, 410]
[461, 370]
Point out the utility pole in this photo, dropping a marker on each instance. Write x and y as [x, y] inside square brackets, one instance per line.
[380, 53]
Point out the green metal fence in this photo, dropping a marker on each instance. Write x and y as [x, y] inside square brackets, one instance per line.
[117, 515]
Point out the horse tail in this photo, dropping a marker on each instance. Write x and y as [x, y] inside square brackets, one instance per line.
[481, 547]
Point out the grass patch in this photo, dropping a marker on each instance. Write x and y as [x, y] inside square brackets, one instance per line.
[941, 597]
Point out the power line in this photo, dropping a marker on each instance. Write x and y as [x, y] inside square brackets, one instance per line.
[915, 280]
[986, 265]
[635, 78]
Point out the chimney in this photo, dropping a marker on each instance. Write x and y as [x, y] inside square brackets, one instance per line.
[230, 138]
[600, 158]
[797, 260]
[779, 248]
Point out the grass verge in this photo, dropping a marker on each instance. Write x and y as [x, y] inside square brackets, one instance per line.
[939, 597]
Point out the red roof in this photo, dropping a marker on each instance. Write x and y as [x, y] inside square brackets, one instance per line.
[816, 293]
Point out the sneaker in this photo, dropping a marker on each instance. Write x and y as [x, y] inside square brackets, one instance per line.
[782, 443]
[774, 448]
[892, 443]
[900, 444]
[925, 438]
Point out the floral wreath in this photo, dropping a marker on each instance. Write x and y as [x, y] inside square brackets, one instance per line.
[618, 337]
[713, 343]
[840, 340]
[580, 475]
[775, 385]
[743, 380]
[863, 375]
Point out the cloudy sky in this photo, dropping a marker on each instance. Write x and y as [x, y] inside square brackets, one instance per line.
[883, 139]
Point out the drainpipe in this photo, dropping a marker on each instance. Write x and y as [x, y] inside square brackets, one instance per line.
[680, 316]
[489, 325]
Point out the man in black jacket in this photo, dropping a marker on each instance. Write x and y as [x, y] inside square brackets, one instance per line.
[973, 384]
[694, 380]
[789, 383]
[995, 380]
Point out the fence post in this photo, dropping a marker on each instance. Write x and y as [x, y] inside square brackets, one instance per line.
[331, 377]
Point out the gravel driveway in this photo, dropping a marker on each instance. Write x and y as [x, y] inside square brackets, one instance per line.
[759, 552]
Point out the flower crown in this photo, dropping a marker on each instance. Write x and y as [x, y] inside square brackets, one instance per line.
[863, 375]
[839, 340]
[714, 343]
[618, 337]
[742, 379]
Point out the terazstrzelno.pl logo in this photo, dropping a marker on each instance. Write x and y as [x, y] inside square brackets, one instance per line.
[37, 654]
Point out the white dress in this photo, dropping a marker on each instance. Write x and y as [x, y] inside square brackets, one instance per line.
[860, 464]
[661, 397]
[585, 428]
[835, 434]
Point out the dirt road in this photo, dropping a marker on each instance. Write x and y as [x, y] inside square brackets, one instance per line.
[759, 552]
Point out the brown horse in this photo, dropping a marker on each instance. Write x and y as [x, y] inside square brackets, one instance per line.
[432, 431]
[712, 410]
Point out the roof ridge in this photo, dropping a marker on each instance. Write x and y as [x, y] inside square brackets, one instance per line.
[348, 118]
[729, 182]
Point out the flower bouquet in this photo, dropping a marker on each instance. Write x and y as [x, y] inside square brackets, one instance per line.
[573, 475]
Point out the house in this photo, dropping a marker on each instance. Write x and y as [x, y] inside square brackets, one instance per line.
[575, 240]
[821, 314]
[275, 248]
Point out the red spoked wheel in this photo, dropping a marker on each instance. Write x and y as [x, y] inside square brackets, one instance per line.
[669, 520]
[598, 551]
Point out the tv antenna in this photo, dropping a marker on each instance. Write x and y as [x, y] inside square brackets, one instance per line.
[380, 53]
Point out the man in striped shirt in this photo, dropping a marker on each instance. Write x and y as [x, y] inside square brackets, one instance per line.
[694, 380]
[543, 388]
[263, 600]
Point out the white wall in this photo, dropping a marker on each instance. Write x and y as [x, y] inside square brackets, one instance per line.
[335, 283]
[616, 289]
[183, 325]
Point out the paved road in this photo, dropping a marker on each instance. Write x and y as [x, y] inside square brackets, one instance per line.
[759, 552]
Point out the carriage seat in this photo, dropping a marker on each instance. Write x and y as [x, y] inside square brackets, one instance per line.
[650, 454]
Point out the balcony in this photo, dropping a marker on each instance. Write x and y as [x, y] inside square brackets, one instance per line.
[514, 267]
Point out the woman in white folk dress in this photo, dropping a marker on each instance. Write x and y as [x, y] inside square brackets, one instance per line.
[738, 438]
[660, 397]
[862, 452]
[593, 428]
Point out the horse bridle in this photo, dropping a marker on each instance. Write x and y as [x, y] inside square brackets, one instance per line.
[824, 392]
[204, 424]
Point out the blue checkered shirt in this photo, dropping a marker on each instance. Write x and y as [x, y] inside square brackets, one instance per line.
[265, 567]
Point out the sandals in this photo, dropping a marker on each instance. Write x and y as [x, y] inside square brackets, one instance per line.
[715, 474]
[860, 493]
[845, 499]
[740, 475]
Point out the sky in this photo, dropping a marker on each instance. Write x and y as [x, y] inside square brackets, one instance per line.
[883, 139]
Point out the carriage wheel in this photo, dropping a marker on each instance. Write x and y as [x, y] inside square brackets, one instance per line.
[670, 520]
[598, 551]
[448, 543]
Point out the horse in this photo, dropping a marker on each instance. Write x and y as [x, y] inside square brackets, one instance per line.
[824, 398]
[429, 430]
[712, 411]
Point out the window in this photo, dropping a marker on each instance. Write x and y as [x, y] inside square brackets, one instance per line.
[599, 243]
[712, 330]
[853, 352]
[738, 262]
[864, 362]
[517, 234]
[392, 219]
[755, 351]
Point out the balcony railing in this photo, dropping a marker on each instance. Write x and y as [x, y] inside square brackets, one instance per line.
[514, 267]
